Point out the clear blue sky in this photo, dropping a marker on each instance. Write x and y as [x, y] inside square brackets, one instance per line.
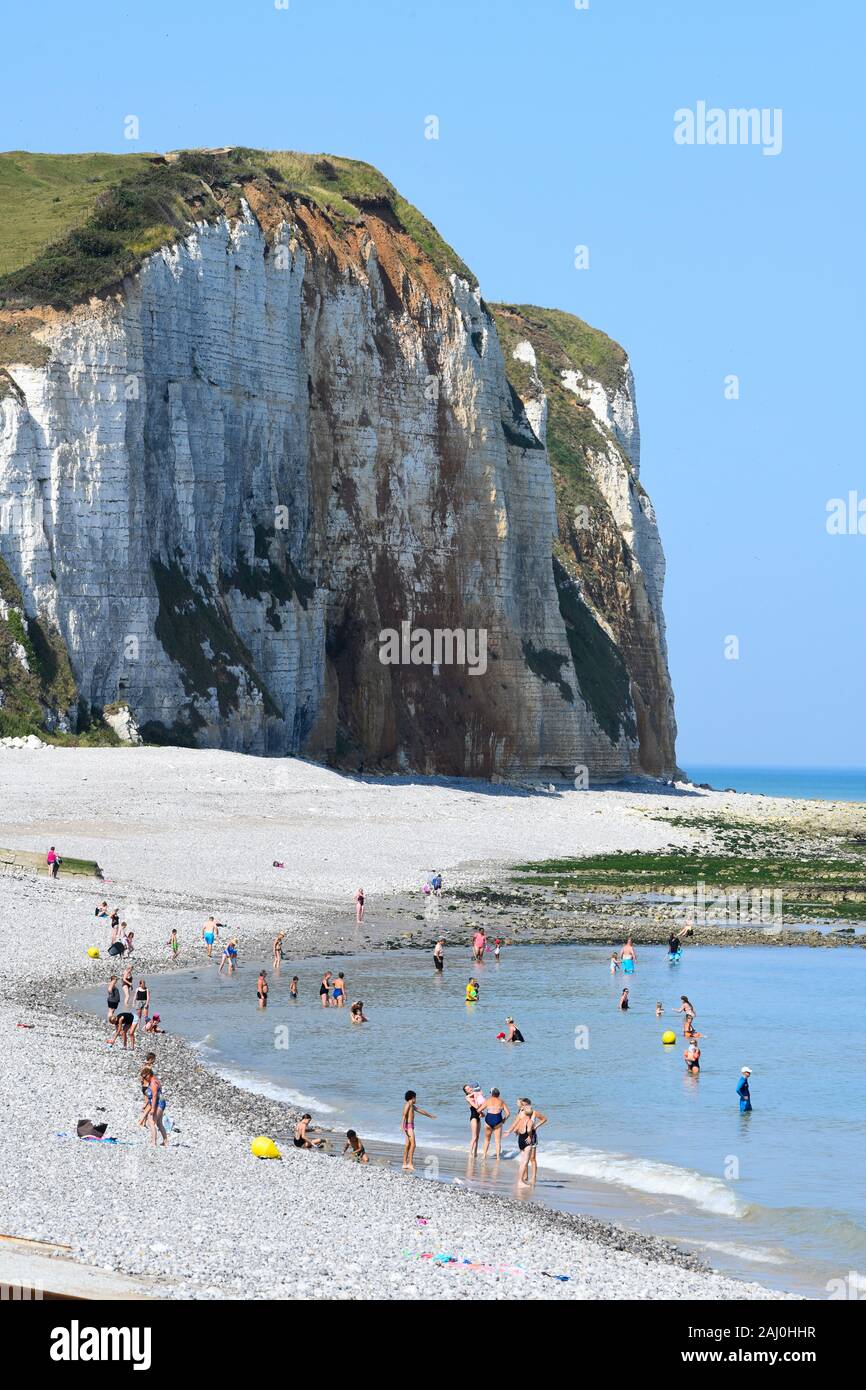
[556, 128]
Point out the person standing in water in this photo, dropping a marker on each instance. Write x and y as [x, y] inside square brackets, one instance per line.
[293, 987]
[411, 1108]
[614, 963]
[623, 999]
[496, 1112]
[687, 1009]
[339, 991]
[474, 1099]
[692, 1057]
[262, 989]
[359, 906]
[514, 1033]
[278, 949]
[439, 954]
[472, 992]
[526, 1124]
[230, 956]
[479, 942]
[628, 956]
[743, 1090]
[325, 989]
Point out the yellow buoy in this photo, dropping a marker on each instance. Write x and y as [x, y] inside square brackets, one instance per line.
[669, 1037]
[263, 1147]
[93, 952]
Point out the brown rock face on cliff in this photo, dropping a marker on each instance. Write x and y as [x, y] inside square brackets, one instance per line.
[278, 489]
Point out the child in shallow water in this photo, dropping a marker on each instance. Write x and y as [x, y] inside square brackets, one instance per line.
[614, 963]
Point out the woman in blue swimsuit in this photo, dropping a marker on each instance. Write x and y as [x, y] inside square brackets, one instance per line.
[495, 1114]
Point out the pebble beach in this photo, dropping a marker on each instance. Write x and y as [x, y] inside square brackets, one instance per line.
[179, 833]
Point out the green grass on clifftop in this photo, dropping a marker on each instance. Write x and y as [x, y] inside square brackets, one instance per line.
[72, 226]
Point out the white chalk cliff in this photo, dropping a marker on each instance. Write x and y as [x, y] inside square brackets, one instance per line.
[283, 433]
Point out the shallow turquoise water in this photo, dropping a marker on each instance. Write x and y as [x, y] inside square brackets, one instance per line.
[809, 783]
[775, 1195]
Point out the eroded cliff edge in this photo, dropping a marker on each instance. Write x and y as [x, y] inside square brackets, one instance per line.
[253, 412]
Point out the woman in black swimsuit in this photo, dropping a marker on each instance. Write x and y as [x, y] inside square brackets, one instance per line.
[474, 1118]
[526, 1124]
[325, 989]
[113, 997]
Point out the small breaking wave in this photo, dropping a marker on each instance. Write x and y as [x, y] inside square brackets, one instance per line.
[645, 1175]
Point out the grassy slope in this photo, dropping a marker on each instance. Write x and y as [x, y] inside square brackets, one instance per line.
[72, 226]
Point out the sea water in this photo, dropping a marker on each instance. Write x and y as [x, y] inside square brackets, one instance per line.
[776, 1195]
[802, 783]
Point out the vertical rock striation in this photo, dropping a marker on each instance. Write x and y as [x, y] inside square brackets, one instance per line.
[286, 430]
